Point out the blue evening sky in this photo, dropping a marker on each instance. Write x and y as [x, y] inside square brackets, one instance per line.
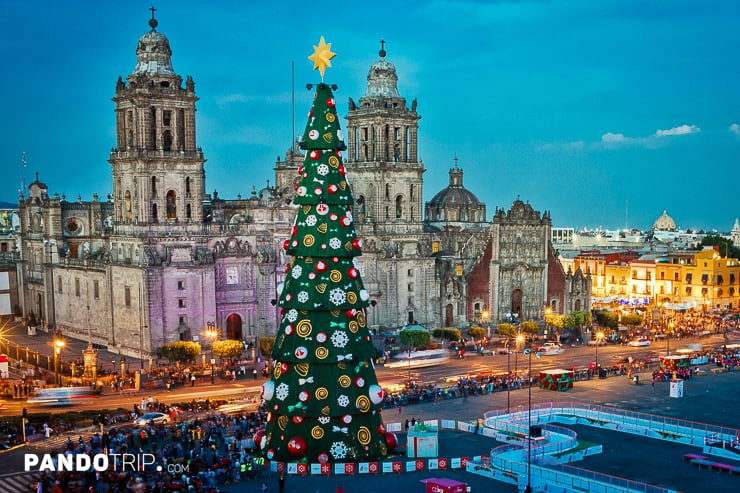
[588, 109]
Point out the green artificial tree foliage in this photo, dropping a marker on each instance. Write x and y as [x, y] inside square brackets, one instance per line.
[323, 398]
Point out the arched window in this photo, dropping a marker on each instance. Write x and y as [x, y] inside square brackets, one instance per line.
[399, 207]
[127, 207]
[167, 140]
[171, 205]
[387, 191]
[154, 213]
[154, 186]
[187, 186]
[189, 212]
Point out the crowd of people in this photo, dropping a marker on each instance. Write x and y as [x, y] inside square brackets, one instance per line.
[195, 453]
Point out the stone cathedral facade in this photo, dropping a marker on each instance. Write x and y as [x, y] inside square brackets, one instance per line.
[159, 259]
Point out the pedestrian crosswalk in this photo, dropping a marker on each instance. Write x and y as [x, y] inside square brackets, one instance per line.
[18, 482]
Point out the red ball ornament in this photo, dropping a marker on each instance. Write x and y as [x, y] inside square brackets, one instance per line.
[258, 437]
[300, 169]
[289, 330]
[350, 312]
[297, 447]
[286, 244]
[357, 243]
[284, 367]
[298, 419]
[321, 266]
[312, 275]
[294, 243]
[330, 102]
[332, 188]
[323, 457]
[347, 419]
[333, 216]
[270, 454]
[314, 155]
[345, 221]
[391, 440]
[359, 382]
[342, 169]
[310, 113]
[293, 230]
[303, 396]
[317, 191]
[352, 273]
[381, 429]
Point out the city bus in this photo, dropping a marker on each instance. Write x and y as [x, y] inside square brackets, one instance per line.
[418, 359]
[62, 396]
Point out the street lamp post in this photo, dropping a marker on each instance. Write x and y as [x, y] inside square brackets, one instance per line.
[508, 380]
[141, 346]
[58, 345]
[52, 320]
[599, 338]
[212, 333]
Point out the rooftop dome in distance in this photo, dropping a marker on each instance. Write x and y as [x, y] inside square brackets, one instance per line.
[664, 223]
[382, 80]
[455, 195]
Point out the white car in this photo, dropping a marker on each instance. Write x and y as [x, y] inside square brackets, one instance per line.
[640, 341]
[550, 348]
[152, 418]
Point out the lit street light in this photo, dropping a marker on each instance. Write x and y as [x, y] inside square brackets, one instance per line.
[599, 337]
[212, 334]
[58, 345]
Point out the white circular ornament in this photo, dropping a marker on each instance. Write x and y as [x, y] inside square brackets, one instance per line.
[375, 394]
[268, 390]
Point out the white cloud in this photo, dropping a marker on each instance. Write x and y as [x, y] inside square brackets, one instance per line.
[680, 130]
[735, 128]
[612, 137]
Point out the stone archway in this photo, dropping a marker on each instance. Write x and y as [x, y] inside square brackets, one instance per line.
[449, 316]
[234, 327]
[516, 303]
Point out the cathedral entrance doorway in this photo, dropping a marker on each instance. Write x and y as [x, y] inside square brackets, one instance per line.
[448, 316]
[234, 327]
[516, 303]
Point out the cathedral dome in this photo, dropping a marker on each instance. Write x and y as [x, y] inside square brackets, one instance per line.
[153, 53]
[664, 223]
[455, 195]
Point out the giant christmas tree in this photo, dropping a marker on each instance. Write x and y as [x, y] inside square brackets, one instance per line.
[323, 398]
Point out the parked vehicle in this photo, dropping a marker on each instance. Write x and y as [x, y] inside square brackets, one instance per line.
[640, 341]
[550, 349]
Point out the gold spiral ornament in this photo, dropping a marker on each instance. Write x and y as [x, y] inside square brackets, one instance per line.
[361, 318]
[322, 352]
[335, 276]
[363, 435]
[352, 297]
[345, 381]
[353, 326]
[321, 393]
[301, 369]
[317, 433]
[363, 403]
[308, 240]
[330, 117]
[333, 161]
[304, 328]
[277, 372]
[383, 449]
[282, 422]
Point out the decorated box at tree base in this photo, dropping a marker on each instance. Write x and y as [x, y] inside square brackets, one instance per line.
[669, 364]
[444, 485]
[560, 380]
[422, 441]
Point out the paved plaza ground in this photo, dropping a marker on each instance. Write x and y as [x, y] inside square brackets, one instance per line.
[710, 399]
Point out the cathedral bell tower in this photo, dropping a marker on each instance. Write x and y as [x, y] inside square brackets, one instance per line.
[382, 135]
[158, 174]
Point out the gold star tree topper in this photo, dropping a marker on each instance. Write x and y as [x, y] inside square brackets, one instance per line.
[321, 56]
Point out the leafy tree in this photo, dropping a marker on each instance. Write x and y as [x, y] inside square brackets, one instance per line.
[530, 328]
[447, 333]
[581, 318]
[227, 348]
[477, 333]
[726, 246]
[631, 319]
[179, 351]
[605, 318]
[266, 344]
[414, 337]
